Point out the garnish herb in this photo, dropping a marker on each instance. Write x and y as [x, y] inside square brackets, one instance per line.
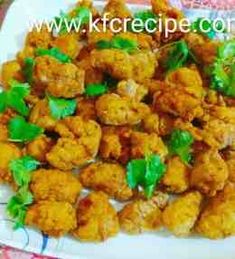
[145, 16]
[22, 131]
[180, 143]
[93, 90]
[28, 67]
[146, 173]
[55, 53]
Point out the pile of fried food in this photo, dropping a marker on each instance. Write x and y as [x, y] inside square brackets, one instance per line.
[149, 121]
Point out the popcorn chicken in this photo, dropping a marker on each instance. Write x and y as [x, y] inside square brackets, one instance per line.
[97, 219]
[53, 218]
[230, 161]
[114, 110]
[180, 216]
[107, 177]
[86, 109]
[217, 219]
[10, 70]
[209, 173]
[117, 8]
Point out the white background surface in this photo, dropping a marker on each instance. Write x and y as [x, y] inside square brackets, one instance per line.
[149, 246]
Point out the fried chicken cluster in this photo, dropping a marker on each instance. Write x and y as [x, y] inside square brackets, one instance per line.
[105, 107]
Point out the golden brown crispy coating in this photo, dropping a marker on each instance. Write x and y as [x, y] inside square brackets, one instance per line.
[86, 109]
[10, 70]
[3, 133]
[180, 216]
[141, 215]
[176, 178]
[41, 116]
[39, 147]
[123, 66]
[107, 177]
[97, 219]
[79, 143]
[8, 152]
[209, 173]
[130, 89]
[115, 144]
[26, 52]
[55, 185]
[143, 143]
[117, 9]
[115, 110]
[217, 219]
[230, 161]
[53, 218]
[60, 80]
[95, 36]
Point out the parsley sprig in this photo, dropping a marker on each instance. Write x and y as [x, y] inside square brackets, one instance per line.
[55, 53]
[146, 173]
[93, 90]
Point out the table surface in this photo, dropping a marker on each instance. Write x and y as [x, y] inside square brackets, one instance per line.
[10, 253]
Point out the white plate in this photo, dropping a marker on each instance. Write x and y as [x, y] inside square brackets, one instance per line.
[151, 246]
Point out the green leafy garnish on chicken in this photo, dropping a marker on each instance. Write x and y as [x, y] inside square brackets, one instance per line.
[14, 98]
[61, 108]
[223, 70]
[146, 173]
[93, 90]
[118, 42]
[145, 17]
[21, 169]
[180, 143]
[28, 67]
[55, 53]
[22, 131]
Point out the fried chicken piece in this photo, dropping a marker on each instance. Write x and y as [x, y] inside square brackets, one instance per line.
[97, 219]
[183, 96]
[115, 110]
[8, 152]
[68, 44]
[115, 144]
[160, 124]
[123, 66]
[79, 143]
[10, 70]
[39, 147]
[86, 109]
[130, 89]
[107, 177]
[55, 185]
[217, 219]
[209, 173]
[39, 38]
[143, 143]
[3, 133]
[230, 161]
[142, 215]
[117, 9]
[176, 178]
[26, 52]
[53, 218]
[180, 216]
[41, 115]
[60, 80]
[95, 36]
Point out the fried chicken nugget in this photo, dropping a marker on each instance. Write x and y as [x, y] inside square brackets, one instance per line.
[97, 219]
[39, 147]
[8, 152]
[79, 143]
[217, 219]
[115, 110]
[143, 143]
[142, 215]
[209, 173]
[107, 177]
[176, 178]
[86, 109]
[53, 218]
[60, 80]
[230, 161]
[180, 216]
[55, 185]
[117, 8]
[10, 70]
[123, 66]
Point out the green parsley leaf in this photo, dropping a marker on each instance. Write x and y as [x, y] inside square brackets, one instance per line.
[145, 16]
[21, 169]
[61, 108]
[178, 56]
[17, 206]
[14, 98]
[223, 70]
[28, 67]
[93, 90]
[118, 42]
[55, 53]
[82, 14]
[146, 173]
[180, 144]
[22, 131]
